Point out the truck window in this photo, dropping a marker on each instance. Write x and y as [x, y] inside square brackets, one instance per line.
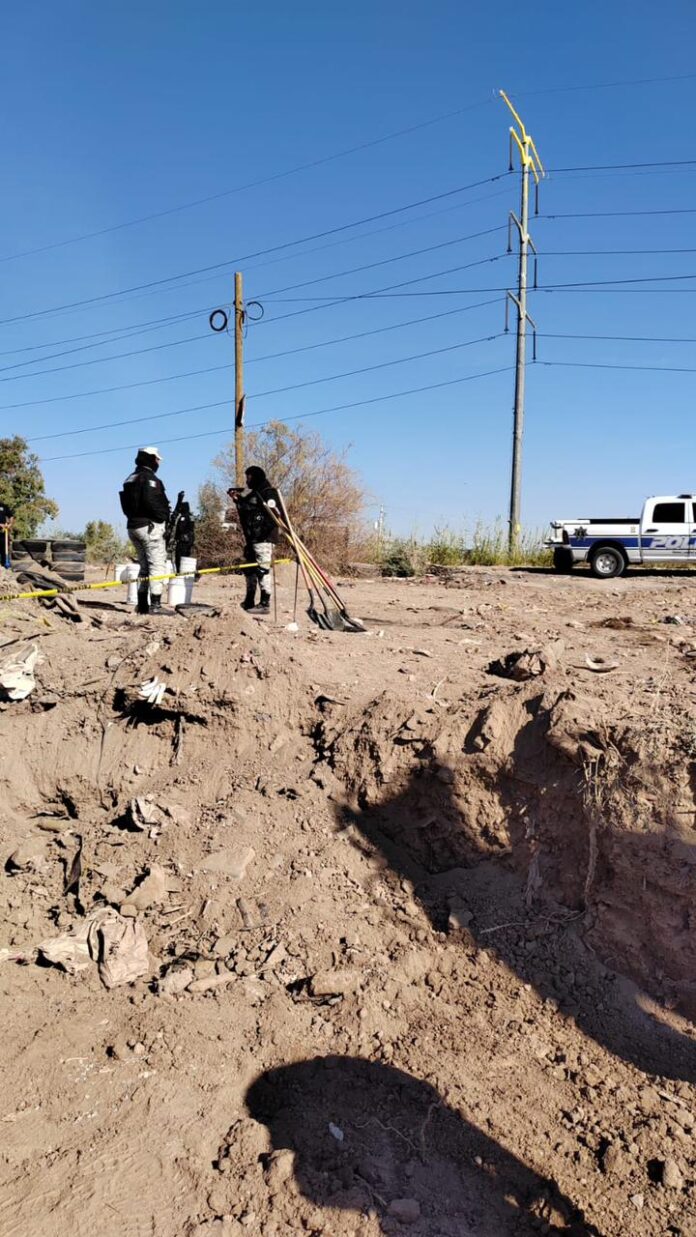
[669, 513]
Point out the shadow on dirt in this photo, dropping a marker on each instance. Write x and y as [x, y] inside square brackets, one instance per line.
[420, 836]
[366, 1135]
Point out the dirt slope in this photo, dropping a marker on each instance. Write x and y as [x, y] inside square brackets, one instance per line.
[420, 933]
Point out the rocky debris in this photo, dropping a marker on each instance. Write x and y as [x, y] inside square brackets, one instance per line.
[29, 856]
[527, 664]
[233, 862]
[671, 1175]
[151, 889]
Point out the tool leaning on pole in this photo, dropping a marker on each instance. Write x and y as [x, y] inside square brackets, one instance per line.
[6, 524]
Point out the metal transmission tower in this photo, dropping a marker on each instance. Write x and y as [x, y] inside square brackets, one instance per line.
[530, 163]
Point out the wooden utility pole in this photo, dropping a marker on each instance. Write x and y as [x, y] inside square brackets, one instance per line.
[530, 163]
[238, 379]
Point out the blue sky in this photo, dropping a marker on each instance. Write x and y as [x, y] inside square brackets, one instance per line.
[116, 112]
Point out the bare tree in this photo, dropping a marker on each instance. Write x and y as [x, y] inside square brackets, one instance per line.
[324, 497]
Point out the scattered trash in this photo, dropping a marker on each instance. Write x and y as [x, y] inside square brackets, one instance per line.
[422, 652]
[600, 665]
[675, 620]
[335, 1132]
[118, 946]
[69, 951]
[17, 675]
[152, 691]
[292, 627]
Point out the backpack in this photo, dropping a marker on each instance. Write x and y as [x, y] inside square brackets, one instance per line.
[130, 497]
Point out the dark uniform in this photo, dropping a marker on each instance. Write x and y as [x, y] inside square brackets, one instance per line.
[144, 502]
[260, 535]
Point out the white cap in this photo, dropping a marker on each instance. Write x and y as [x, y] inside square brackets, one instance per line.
[152, 451]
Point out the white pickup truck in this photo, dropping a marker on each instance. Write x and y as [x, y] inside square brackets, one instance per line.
[664, 533]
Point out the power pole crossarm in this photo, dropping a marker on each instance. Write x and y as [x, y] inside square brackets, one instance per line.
[530, 164]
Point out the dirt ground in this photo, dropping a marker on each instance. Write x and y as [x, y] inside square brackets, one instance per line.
[419, 915]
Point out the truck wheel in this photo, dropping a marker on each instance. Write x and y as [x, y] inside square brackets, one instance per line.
[606, 562]
[562, 560]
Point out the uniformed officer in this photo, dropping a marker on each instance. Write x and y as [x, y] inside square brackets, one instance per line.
[144, 503]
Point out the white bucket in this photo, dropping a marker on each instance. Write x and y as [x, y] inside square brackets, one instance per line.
[189, 565]
[119, 570]
[181, 588]
[129, 575]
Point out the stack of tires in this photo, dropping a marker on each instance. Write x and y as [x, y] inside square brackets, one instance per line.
[69, 560]
[26, 554]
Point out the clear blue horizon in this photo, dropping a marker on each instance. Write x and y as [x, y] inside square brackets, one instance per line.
[122, 114]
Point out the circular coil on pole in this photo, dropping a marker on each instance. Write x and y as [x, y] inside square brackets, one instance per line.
[218, 320]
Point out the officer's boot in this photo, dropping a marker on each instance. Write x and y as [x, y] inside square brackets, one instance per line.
[264, 606]
[156, 605]
[250, 598]
[143, 601]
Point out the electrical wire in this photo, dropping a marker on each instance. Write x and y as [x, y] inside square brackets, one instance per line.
[377, 399]
[156, 283]
[414, 253]
[254, 184]
[192, 338]
[115, 356]
[632, 339]
[297, 386]
[655, 369]
[619, 214]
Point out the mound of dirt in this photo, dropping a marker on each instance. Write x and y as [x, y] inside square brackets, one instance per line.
[411, 941]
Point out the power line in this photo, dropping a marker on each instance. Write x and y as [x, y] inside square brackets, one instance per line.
[378, 399]
[323, 343]
[636, 81]
[192, 338]
[655, 369]
[339, 155]
[116, 356]
[619, 167]
[612, 253]
[619, 214]
[254, 184]
[632, 339]
[155, 283]
[297, 386]
[414, 253]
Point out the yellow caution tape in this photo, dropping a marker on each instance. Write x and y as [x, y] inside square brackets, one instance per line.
[174, 575]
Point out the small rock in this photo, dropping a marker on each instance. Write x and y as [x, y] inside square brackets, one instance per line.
[30, 856]
[175, 982]
[151, 890]
[672, 1178]
[459, 917]
[405, 1210]
[279, 1169]
[225, 944]
[233, 862]
[203, 967]
[637, 1200]
[334, 983]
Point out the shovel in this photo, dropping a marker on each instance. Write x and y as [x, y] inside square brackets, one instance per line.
[337, 619]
